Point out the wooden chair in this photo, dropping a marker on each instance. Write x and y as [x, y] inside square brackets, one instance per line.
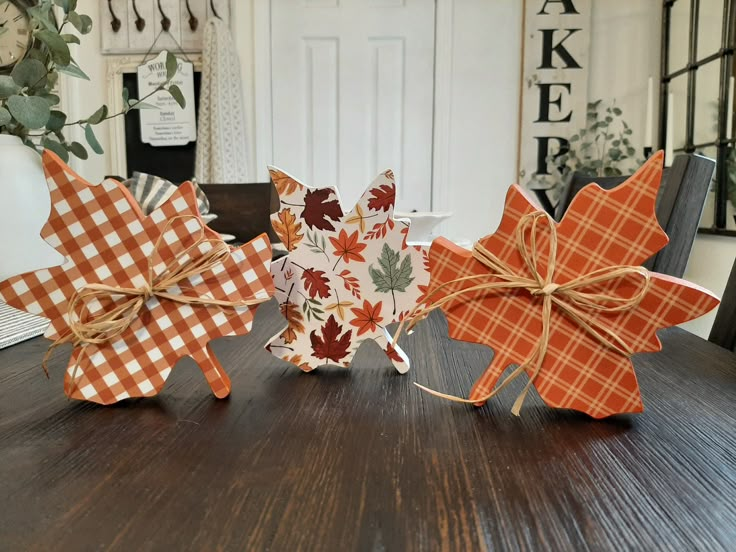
[723, 332]
[679, 205]
[243, 210]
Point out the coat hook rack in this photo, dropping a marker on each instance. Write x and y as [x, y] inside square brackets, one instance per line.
[140, 23]
[214, 11]
[165, 21]
[115, 23]
[193, 21]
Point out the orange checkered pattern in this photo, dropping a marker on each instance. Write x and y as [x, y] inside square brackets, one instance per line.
[600, 229]
[106, 239]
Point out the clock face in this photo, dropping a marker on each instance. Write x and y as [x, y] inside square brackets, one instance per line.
[14, 33]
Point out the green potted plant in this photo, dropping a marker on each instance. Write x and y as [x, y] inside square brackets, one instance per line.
[34, 51]
[602, 148]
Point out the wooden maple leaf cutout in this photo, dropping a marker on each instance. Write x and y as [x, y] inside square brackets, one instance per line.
[600, 229]
[106, 239]
[347, 275]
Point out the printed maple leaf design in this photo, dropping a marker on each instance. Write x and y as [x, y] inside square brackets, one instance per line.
[106, 240]
[319, 206]
[331, 345]
[601, 229]
[344, 269]
[367, 318]
[347, 248]
[391, 277]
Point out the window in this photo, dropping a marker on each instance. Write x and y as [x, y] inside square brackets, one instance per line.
[698, 39]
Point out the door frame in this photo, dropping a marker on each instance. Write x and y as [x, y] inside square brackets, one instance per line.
[263, 110]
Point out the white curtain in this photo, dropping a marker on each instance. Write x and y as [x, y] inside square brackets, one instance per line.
[222, 147]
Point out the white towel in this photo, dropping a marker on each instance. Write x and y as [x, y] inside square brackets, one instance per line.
[222, 147]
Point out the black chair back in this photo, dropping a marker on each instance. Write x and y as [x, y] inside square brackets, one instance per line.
[723, 332]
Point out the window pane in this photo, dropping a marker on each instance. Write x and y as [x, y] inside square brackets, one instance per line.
[706, 102]
[678, 99]
[679, 34]
[710, 23]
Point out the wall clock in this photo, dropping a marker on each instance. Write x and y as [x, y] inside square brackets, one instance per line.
[15, 34]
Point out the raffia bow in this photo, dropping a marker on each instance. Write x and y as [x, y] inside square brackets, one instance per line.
[86, 328]
[570, 298]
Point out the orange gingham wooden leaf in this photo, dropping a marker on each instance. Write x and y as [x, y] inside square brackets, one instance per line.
[106, 239]
[600, 229]
[327, 275]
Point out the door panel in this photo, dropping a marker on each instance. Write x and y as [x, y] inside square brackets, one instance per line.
[352, 93]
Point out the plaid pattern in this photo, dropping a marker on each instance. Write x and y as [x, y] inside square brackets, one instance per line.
[106, 239]
[600, 229]
[151, 191]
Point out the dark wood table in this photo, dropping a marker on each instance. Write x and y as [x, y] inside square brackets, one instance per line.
[362, 460]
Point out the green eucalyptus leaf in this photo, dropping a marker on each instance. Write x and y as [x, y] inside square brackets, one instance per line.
[76, 20]
[78, 150]
[30, 111]
[72, 70]
[56, 147]
[177, 94]
[98, 116]
[8, 86]
[172, 65]
[29, 73]
[86, 24]
[126, 94]
[89, 134]
[56, 45]
[42, 13]
[56, 121]
[135, 104]
[617, 111]
[5, 117]
[70, 38]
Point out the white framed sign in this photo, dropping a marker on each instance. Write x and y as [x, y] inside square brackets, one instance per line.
[117, 68]
[167, 124]
[554, 88]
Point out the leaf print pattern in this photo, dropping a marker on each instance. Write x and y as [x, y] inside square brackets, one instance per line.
[331, 346]
[315, 283]
[294, 318]
[287, 229]
[391, 277]
[383, 197]
[351, 283]
[348, 248]
[367, 318]
[318, 207]
[341, 273]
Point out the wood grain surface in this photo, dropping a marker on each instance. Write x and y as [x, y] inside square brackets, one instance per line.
[360, 459]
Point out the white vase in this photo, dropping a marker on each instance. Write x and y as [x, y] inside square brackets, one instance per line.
[25, 204]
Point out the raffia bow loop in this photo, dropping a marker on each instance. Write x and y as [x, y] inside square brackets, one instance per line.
[608, 290]
[92, 321]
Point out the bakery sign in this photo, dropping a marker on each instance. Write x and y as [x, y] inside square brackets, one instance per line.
[554, 89]
[166, 123]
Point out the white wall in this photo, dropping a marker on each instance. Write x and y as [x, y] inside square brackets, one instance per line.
[478, 79]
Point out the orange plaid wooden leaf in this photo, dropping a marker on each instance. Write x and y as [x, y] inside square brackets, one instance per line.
[106, 239]
[601, 229]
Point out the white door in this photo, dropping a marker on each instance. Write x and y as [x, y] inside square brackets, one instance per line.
[352, 94]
